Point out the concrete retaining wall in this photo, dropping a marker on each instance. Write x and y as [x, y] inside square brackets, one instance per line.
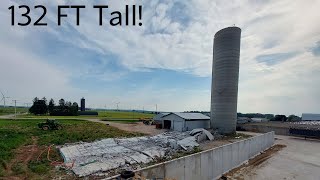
[210, 164]
[264, 129]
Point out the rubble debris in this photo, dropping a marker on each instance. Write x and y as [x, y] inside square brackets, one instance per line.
[201, 134]
[188, 143]
[109, 154]
[195, 131]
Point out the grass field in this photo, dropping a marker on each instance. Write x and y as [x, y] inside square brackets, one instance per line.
[124, 115]
[113, 115]
[16, 136]
[10, 110]
[122, 121]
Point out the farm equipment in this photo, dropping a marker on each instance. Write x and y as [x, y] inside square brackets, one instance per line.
[50, 124]
[148, 122]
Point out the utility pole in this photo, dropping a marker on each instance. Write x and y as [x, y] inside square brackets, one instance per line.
[15, 108]
[156, 108]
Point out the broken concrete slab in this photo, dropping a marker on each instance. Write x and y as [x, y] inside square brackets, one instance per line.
[197, 132]
[109, 154]
[188, 143]
[208, 134]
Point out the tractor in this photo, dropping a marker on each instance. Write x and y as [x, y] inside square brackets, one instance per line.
[50, 124]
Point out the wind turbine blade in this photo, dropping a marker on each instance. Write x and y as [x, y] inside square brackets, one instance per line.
[2, 94]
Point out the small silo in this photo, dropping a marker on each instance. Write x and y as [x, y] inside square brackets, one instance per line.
[225, 79]
[83, 104]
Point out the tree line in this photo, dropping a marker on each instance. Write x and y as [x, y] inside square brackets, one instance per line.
[63, 108]
[271, 117]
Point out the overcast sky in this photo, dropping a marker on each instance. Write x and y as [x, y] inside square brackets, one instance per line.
[167, 61]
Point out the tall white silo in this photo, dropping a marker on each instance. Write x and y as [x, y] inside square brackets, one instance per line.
[225, 79]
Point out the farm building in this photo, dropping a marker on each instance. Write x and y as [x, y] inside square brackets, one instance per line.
[158, 117]
[310, 117]
[259, 120]
[185, 121]
[243, 120]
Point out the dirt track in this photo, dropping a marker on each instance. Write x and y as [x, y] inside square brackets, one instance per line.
[298, 160]
[238, 173]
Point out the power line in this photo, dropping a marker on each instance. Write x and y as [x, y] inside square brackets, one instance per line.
[15, 108]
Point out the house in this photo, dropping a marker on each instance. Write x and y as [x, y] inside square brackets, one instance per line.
[185, 121]
[310, 117]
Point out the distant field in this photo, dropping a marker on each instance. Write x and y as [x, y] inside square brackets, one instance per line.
[10, 110]
[122, 120]
[112, 115]
[16, 134]
[124, 115]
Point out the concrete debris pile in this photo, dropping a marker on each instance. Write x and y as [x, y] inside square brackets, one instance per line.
[112, 153]
[201, 134]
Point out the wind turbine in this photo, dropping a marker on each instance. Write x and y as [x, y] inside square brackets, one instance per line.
[117, 105]
[4, 99]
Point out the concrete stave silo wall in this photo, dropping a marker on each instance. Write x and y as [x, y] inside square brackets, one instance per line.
[225, 78]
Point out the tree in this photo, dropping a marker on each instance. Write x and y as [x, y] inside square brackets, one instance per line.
[61, 102]
[51, 106]
[280, 118]
[293, 117]
[74, 109]
[39, 107]
[35, 99]
[44, 99]
[269, 116]
[68, 104]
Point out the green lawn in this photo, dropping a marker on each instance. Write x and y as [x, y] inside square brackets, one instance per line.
[17, 133]
[122, 121]
[112, 115]
[124, 115]
[10, 110]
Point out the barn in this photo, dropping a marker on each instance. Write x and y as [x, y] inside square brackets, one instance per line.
[158, 118]
[185, 121]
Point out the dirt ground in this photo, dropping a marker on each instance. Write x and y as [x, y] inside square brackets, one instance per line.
[300, 159]
[132, 127]
[23, 155]
[240, 172]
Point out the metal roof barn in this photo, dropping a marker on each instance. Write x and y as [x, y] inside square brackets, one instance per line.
[158, 117]
[310, 117]
[185, 121]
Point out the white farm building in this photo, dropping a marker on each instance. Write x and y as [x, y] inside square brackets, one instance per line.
[185, 121]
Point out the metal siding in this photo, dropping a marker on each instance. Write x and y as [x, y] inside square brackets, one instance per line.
[225, 78]
[178, 126]
[173, 118]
